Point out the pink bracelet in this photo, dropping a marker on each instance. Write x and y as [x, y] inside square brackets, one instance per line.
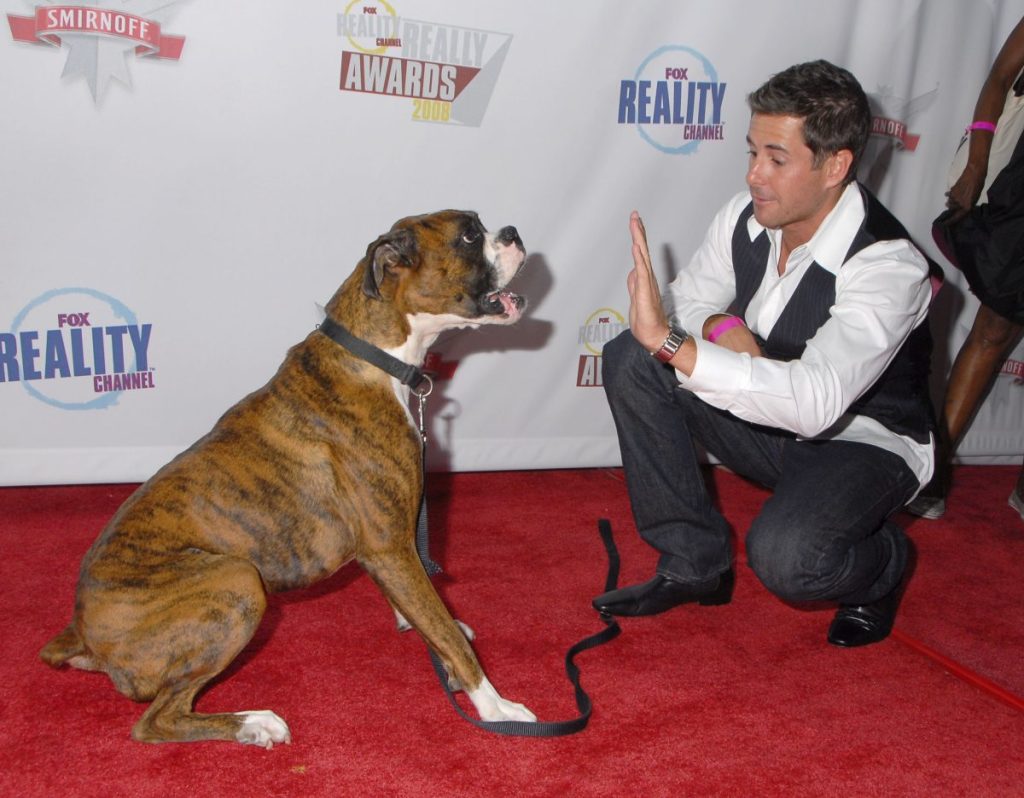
[723, 327]
[989, 126]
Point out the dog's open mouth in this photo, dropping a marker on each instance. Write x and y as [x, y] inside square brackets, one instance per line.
[502, 303]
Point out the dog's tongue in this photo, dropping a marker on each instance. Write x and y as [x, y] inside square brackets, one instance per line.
[509, 301]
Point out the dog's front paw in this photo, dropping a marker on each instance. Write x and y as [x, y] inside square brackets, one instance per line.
[263, 728]
[510, 710]
[491, 706]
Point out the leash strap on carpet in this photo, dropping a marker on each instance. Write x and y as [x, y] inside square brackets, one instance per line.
[558, 728]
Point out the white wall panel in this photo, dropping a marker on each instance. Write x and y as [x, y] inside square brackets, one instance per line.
[219, 196]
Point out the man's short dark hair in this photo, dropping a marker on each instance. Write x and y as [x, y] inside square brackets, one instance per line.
[831, 103]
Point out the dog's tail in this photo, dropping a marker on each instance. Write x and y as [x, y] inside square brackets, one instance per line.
[64, 647]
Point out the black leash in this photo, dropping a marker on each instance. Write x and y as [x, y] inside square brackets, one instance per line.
[557, 728]
[421, 385]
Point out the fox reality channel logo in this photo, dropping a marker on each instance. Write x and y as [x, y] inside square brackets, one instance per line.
[76, 349]
[600, 327]
[674, 100]
[98, 40]
[448, 71]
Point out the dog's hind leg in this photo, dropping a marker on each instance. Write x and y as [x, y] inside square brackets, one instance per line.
[181, 635]
[170, 719]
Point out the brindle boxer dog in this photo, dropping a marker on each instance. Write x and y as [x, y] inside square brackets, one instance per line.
[320, 466]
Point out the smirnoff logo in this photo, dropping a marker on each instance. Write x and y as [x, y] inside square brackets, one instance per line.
[98, 40]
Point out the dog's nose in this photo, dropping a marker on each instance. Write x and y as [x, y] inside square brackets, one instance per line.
[509, 235]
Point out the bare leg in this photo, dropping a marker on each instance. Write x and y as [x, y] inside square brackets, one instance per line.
[974, 370]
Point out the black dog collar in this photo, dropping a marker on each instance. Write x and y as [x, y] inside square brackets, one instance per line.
[403, 372]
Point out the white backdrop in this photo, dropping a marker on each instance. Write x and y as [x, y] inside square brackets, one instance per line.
[181, 187]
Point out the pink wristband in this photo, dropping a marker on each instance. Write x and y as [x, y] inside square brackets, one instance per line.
[723, 327]
[989, 126]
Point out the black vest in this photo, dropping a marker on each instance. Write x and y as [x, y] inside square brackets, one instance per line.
[899, 399]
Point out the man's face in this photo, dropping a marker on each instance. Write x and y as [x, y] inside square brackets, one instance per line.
[788, 191]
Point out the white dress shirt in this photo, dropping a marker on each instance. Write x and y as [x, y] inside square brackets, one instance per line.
[882, 294]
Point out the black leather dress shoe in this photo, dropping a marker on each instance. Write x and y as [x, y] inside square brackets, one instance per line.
[864, 624]
[662, 593]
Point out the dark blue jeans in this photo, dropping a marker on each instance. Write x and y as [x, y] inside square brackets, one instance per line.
[824, 534]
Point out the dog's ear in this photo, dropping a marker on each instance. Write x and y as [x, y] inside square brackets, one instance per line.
[392, 250]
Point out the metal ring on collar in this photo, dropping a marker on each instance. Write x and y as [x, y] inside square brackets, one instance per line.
[421, 392]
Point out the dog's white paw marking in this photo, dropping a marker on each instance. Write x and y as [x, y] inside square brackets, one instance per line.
[469, 633]
[491, 706]
[263, 728]
[401, 623]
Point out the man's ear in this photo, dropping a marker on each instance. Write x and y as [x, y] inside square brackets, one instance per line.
[837, 166]
[391, 251]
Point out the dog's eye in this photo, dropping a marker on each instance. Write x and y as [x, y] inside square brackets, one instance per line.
[471, 236]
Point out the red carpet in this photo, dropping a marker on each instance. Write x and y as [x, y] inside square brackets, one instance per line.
[745, 699]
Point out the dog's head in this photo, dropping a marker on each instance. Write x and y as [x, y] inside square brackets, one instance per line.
[447, 264]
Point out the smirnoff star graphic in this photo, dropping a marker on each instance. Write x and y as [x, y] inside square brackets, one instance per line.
[99, 37]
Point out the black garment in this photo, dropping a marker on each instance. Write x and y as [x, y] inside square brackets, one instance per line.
[987, 245]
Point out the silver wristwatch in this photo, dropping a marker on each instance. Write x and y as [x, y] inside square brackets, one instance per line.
[673, 341]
